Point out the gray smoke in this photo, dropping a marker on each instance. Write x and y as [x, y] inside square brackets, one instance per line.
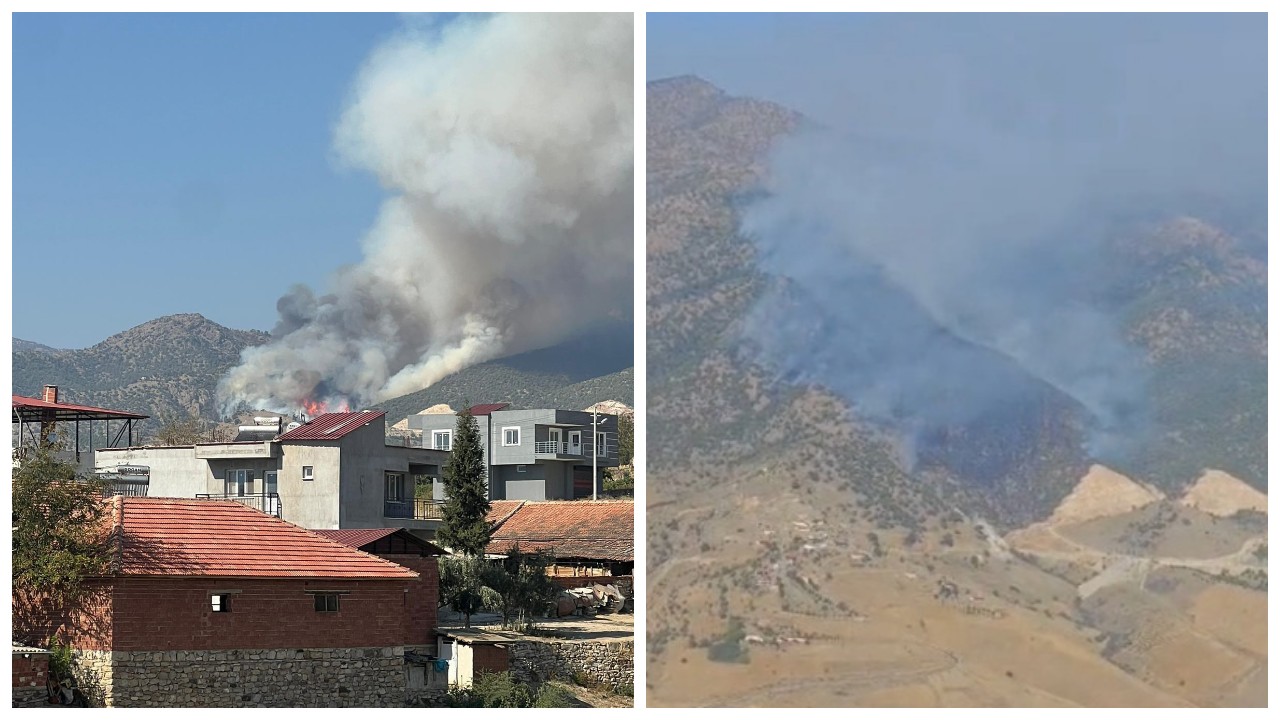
[941, 238]
[508, 142]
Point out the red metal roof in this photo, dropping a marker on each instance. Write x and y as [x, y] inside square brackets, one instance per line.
[223, 538]
[362, 537]
[486, 409]
[332, 426]
[63, 410]
[592, 529]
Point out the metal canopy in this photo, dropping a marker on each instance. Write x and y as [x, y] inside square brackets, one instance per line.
[27, 409]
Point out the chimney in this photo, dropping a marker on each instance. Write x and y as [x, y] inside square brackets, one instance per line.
[51, 393]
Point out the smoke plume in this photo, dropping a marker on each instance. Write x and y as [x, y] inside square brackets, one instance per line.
[508, 144]
[940, 244]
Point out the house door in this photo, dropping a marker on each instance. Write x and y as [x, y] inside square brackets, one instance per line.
[553, 434]
[575, 443]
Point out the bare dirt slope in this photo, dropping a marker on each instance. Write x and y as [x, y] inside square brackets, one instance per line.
[784, 598]
[1218, 493]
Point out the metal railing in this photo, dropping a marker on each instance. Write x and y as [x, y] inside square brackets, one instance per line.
[557, 448]
[268, 503]
[418, 509]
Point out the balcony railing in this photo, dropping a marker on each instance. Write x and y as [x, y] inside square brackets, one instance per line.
[268, 503]
[556, 448]
[419, 509]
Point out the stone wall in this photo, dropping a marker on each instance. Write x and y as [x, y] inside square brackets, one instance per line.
[328, 677]
[92, 669]
[611, 664]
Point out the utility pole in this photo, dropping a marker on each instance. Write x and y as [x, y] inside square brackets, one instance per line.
[595, 453]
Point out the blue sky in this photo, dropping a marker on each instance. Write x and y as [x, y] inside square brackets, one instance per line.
[180, 163]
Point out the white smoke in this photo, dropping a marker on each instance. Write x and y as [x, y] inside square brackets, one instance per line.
[508, 142]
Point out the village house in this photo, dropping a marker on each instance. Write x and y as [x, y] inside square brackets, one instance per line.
[542, 454]
[590, 541]
[404, 548]
[335, 471]
[212, 603]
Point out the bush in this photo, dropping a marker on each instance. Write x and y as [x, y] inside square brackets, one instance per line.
[503, 690]
[552, 696]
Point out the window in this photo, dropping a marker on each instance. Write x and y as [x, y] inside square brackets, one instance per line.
[520, 468]
[326, 602]
[220, 602]
[308, 472]
[442, 439]
[239, 483]
[511, 436]
[269, 485]
[601, 447]
[395, 486]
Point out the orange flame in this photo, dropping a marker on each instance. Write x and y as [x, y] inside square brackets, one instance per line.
[314, 407]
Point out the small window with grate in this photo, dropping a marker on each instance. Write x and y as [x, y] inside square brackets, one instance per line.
[326, 602]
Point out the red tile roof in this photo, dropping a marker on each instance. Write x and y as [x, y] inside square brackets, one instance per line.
[500, 510]
[223, 538]
[331, 426]
[486, 409]
[590, 529]
[26, 403]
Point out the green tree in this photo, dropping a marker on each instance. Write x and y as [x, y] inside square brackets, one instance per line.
[465, 528]
[60, 536]
[462, 585]
[521, 586]
[626, 439]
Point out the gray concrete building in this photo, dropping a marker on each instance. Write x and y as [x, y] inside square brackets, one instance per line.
[335, 471]
[539, 454]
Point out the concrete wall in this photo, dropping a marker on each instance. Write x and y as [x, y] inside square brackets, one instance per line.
[218, 467]
[175, 471]
[366, 460]
[310, 503]
[508, 484]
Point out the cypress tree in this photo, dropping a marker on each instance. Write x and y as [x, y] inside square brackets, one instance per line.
[465, 529]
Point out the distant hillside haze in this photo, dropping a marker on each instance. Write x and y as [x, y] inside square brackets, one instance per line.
[591, 367]
[750, 335]
[169, 368]
[165, 368]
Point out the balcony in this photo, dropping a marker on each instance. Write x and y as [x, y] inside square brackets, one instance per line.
[268, 503]
[419, 509]
[557, 448]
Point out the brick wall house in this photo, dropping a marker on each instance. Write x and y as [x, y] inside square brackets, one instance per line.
[404, 548]
[214, 604]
